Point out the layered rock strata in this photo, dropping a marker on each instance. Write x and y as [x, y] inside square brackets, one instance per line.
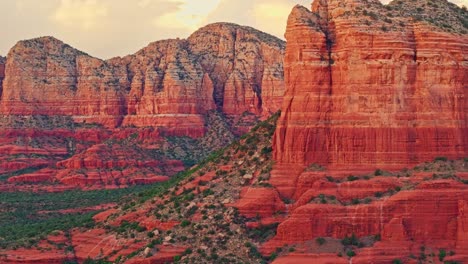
[170, 83]
[369, 88]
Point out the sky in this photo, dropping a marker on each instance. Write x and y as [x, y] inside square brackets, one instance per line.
[109, 28]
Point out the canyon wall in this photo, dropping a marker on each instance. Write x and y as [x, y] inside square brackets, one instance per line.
[170, 83]
[370, 88]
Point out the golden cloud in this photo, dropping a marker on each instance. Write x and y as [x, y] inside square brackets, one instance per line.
[83, 15]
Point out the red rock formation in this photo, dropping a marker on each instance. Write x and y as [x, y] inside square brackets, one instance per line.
[168, 88]
[261, 202]
[369, 96]
[311, 258]
[433, 214]
[169, 84]
[165, 254]
[419, 210]
[365, 91]
[96, 243]
[114, 165]
[245, 67]
[47, 156]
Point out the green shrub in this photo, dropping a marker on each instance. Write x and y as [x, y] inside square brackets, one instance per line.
[442, 254]
[440, 159]
[350, 241]
[352, 178]
[185, 223]
[320, 240]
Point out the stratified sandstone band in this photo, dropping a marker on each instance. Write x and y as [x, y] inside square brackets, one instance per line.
[368, 96]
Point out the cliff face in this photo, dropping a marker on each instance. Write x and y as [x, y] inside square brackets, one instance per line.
[371, 86]
[169, 84]
[368, 86]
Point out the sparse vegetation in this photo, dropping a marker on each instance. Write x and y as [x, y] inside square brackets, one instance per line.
[320, 240]
[23, 222]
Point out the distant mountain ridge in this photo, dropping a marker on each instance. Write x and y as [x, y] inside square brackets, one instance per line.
[222, 66]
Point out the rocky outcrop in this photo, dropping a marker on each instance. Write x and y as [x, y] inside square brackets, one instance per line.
[245, 66]
[413, 210]
[369, 86]
[169, 84]
[114, 165]
[44, 73]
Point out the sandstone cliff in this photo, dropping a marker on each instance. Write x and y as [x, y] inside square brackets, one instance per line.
[170, 83]
[373, 86]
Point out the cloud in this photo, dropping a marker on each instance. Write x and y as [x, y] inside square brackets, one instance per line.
[189, 16]
[271, 17]
[266, 15]
[81, 14]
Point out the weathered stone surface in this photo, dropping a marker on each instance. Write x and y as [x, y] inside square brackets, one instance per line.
[295, 258]
[370, 95]
[259, 202]
[367, 87]
[245, 66]
[169, 84]
[424, 220]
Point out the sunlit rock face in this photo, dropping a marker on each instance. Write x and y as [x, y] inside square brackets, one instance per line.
[170, 83]
[368, 89]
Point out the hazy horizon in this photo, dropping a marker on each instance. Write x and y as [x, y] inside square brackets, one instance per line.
[109, 28]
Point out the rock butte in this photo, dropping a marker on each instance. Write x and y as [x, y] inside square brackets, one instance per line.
[361, 96]
[373, 95]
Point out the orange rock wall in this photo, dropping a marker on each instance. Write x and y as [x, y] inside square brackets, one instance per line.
[170, 83]
[361, 97]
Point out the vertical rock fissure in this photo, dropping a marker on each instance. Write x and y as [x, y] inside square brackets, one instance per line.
[2, 74]
[412, 135]
[329, 43]
[324, 25]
